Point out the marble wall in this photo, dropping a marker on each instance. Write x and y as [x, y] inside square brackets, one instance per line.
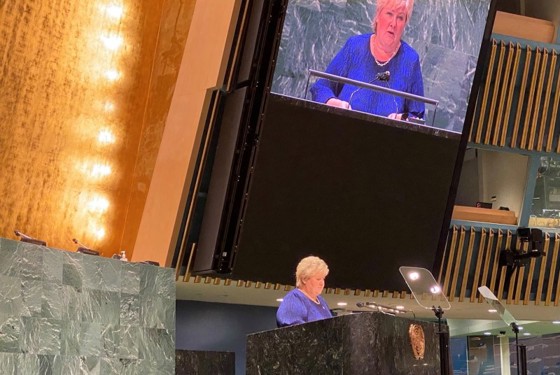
[70, 313]
[446, 34]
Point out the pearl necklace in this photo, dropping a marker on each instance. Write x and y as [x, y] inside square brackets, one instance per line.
[316, 300]
[390, 57]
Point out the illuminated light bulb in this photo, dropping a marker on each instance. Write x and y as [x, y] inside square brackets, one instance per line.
[414, 276]
[492, 310]
[100, 170]
[113, 11]
[279, 299]
[487, 333]
[399, 307]
[435, 289]
[99, 233]
[112, 75]
[105, 137]
[98, 204]
[112, 42]
[342, 304]
[109, 106]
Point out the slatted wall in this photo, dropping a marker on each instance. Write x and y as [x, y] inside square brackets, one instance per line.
[472, 260]
[518, 103]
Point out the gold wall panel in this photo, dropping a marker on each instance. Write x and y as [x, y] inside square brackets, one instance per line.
[82, 114]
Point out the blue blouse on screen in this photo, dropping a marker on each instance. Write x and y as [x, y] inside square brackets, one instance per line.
[296, 308]
[355, 61]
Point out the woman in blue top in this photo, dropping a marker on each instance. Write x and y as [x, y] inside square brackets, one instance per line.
[304, 304]
[380, 58]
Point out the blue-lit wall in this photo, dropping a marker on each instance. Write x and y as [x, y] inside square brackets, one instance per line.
[221, 327]
[69, 313]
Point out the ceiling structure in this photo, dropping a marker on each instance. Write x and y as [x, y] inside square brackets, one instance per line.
[464, 318]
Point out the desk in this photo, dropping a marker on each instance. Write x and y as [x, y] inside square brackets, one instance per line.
[484, 215]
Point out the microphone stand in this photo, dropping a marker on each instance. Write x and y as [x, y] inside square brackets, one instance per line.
[443, 343]
[521, 352]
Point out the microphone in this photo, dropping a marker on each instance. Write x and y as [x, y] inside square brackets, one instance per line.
[25, 238]
[84, 249]
[382, 308]
[383, 76]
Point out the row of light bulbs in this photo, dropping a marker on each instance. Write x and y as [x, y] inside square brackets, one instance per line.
[98, 204]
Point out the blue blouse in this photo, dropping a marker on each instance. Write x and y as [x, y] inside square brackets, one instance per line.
[296, 308]
[355, 61]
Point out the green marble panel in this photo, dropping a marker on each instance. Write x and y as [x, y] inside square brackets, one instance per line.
[10, 331]
[11, 301]
[81, 339]
[9, 258]
[52, 302]
[40, 336]
[130, 276]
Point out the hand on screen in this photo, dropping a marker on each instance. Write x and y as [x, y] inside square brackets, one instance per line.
[334, 102]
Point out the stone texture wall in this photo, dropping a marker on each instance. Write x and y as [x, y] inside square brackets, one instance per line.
[70, 313]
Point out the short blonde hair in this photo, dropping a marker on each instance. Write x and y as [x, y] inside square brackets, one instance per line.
[408, 4]
[309, 266]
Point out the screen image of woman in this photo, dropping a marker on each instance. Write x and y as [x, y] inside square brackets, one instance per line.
[381, 58]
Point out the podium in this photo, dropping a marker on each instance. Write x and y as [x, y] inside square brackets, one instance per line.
[364, 343]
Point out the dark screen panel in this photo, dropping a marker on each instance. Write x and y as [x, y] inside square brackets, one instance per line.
[365, 195]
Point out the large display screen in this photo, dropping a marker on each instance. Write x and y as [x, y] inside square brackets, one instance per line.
[428, 48]
[348, 157]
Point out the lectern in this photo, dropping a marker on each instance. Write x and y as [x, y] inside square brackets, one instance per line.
[363, 343]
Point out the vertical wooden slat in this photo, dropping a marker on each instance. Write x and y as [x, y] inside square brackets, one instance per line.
[503, 95]
[516, 280]
[484, 102]
[529, 103]
[451, 251]
[546, 104]
[557, 299]
[542, 270]
[529, 281]
[490, 268]
[502, 274]
[496, 265]
[511, 90]
[552, 270]
[467, 268]
[495, 93]
[519, 285]
[479, 258]
[539, 93]
[521, 101]
[457, 265]
[553, 116]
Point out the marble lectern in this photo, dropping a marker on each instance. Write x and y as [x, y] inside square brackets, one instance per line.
[363, 343]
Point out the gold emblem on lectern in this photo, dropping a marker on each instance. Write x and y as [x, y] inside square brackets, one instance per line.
[416, 334]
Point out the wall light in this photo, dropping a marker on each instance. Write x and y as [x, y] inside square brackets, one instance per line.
[112, 42]
[112, 75]
[105, 136]
[113, 11]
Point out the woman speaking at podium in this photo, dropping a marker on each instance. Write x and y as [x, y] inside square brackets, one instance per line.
[304, 303]
[379, 58]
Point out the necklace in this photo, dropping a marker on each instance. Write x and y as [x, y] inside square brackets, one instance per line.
[390, 57]
[316, 300]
